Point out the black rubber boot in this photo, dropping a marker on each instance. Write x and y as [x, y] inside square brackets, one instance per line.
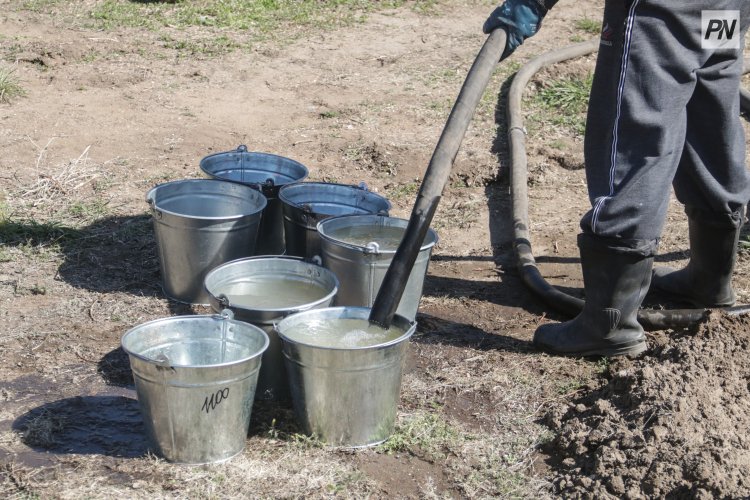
[706, 280]
[615, 283]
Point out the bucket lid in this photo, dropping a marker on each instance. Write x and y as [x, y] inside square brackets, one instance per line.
[264, 171]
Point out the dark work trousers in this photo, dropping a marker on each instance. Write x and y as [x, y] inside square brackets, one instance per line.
[664, 110]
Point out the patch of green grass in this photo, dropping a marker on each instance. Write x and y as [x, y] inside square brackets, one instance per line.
[89, 211]
[442, 76]
[330, 114]
[342, 485]
[400, 191]
[423, 433]
[207, 46]
[569, 386]
[42, 5]
[602, 365]
[564, 103]
[305, 441]
[262, 16]
[90, 56]
[591, 26]
[442, 106]
[10, 87]
[569, 94]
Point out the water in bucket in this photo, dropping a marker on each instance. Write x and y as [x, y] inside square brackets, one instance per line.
[387, 237]
[344, 390]
[270, 292]
[359, 250]
[264, 290]
[342, 333]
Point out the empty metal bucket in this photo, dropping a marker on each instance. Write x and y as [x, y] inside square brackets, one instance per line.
[262, 291]
[307, 203]
[346, 396]
[359, 249]
[265, 172]
[195, 378]
[199, 224]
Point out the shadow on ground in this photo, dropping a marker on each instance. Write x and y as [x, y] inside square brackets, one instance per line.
[435, 330]
[86, 425]
[113, 254]
[114, 368]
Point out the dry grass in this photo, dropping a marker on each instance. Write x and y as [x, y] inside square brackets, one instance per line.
[53, 194]
[260, 472]
[41, 430]
[10, 87]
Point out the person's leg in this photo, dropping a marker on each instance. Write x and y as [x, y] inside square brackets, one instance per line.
[712, 180]
[635, 134]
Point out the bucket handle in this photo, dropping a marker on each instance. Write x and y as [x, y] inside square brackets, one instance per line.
[226, 313]
[372, 247]
[162, 361]
[152, 203]
[226, 316]
[242, 149]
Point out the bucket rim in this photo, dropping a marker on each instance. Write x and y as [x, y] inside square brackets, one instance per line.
[320, 227]
[242, 150]
[260, 197]
[285, 310]
[193, 317]
[286, 189]
[363, 311]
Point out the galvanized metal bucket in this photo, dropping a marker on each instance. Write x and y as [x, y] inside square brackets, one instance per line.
[264, 290]
[195, 378]
[267, 173]
[345, 396]
[199, 224]
[307, 203]
[361, 264]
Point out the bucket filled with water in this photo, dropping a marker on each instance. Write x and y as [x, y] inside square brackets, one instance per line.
[263, 291]
[305, 204]
[265, 172]
[199, 224]
[345, 373]
[359, 249]
[195, 377]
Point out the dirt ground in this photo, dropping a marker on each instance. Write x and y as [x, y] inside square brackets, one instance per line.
[108, 114]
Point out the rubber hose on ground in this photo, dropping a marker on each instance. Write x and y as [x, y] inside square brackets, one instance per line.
[650, 319]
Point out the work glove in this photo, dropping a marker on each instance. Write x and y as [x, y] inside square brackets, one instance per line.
[520, 19]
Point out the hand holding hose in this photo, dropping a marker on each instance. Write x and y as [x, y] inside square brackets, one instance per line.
[520, 19]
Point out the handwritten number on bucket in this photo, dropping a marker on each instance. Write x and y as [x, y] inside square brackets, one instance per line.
[213, 401]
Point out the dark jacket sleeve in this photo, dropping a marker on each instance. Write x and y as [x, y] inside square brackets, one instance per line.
[547, 4]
